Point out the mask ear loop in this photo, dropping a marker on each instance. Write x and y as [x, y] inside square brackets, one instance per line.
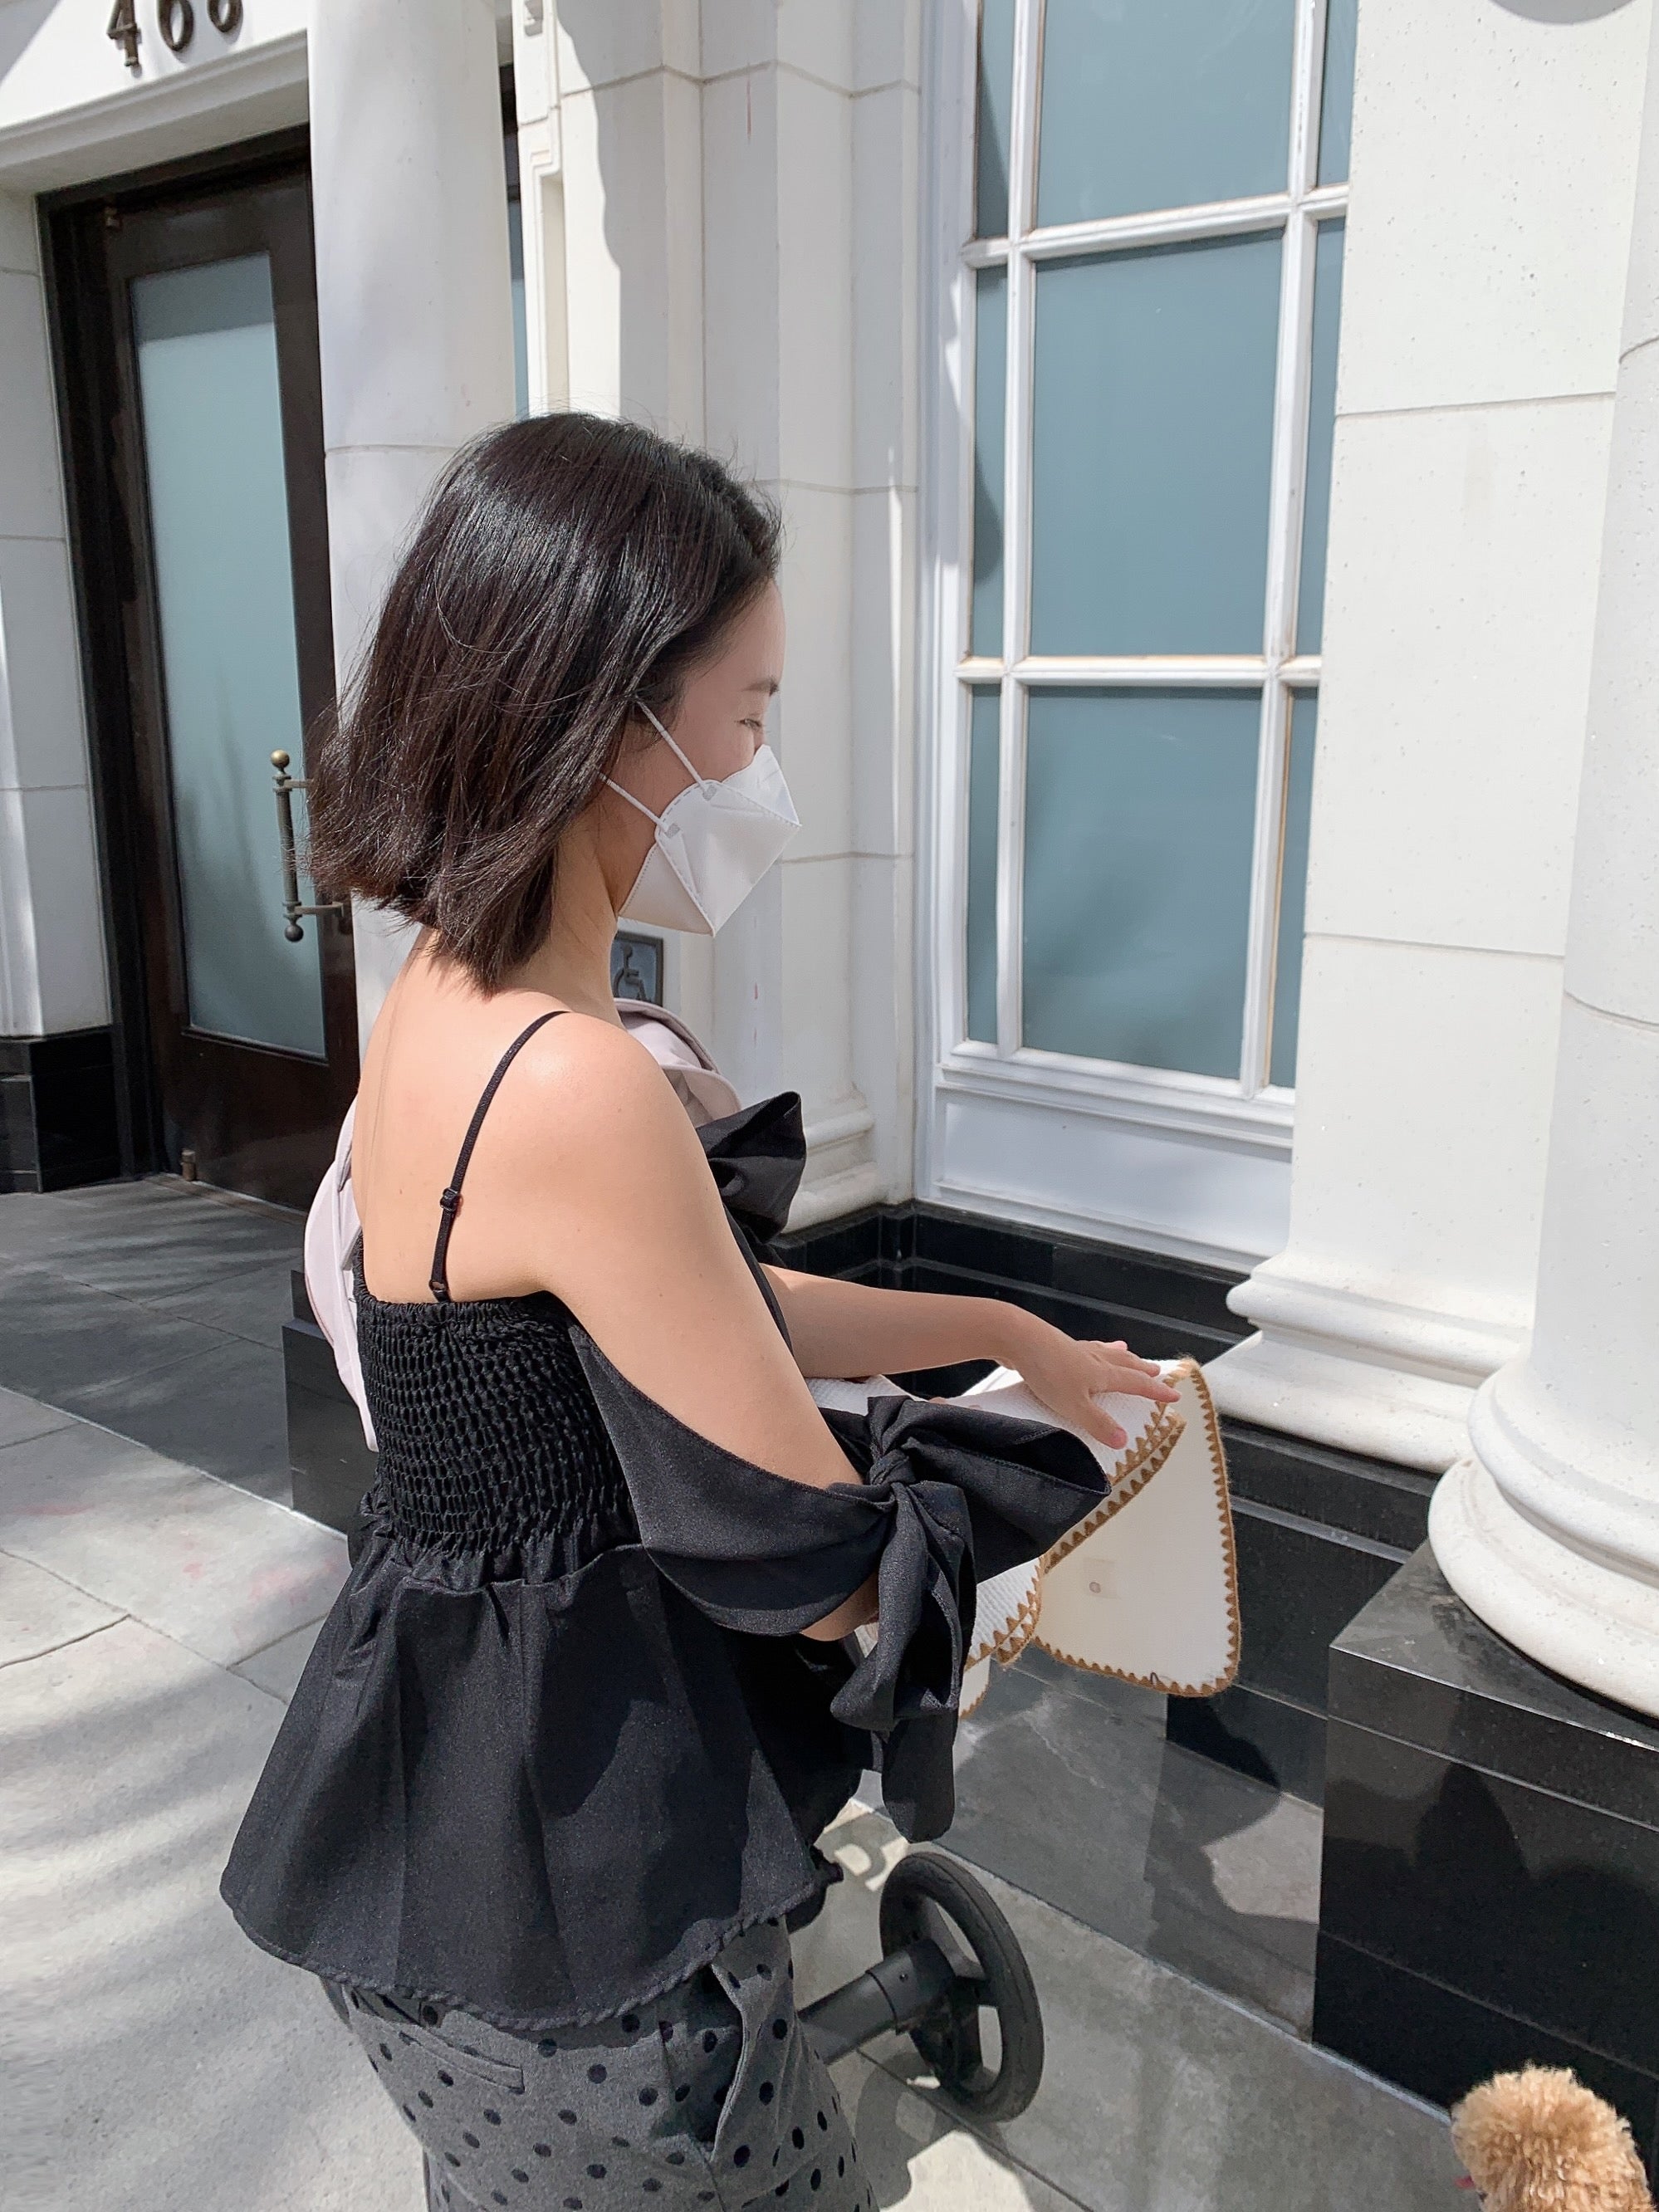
[632, 801]
[668, 740]
[667, 737]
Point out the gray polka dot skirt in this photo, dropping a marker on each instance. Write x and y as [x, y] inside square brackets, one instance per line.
[709, 2096]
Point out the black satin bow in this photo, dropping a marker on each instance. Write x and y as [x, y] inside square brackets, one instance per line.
[756, 1156]
[949, 1494]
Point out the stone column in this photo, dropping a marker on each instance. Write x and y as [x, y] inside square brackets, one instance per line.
[413, 300]
[1549, 1530]
[1494, 161]
[739, 193]
[809, 121]
[629, 243]
[52, 935]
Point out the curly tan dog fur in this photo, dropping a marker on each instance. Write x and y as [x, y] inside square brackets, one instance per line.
[1539, 2142]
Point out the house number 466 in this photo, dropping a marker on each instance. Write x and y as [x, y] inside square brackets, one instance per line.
[175, 20]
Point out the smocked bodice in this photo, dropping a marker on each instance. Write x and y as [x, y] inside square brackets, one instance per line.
[490, 1439]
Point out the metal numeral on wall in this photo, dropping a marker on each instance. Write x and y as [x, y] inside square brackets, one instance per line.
[287, 785]
[124, 29]
[176, 20]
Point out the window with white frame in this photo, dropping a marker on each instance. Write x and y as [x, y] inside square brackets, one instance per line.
[1147, 300]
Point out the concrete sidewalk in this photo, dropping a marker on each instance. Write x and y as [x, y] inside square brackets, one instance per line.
[152, 1621]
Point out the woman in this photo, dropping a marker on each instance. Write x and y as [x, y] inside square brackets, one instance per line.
[548, 1790]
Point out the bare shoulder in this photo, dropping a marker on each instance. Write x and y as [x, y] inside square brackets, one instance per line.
[592, 1103]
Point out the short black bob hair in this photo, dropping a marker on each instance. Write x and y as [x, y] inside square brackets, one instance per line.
[566, 567]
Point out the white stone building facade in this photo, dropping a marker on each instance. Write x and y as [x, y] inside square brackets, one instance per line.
[752, 224]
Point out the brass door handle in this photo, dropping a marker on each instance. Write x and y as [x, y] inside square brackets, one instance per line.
[292, 907]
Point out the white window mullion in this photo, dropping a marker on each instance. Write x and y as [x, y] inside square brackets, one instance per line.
[1016, 526]
[1287, 486]
[1241, 671]
[1309, 66]
[1264, 889]
[956, 700]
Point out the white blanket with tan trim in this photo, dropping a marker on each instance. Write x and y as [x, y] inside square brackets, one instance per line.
[1146, 1587]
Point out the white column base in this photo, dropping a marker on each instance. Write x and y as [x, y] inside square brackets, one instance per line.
[1350, 1404]
[1559, 1555]
[841, 1176]
[1361, 1373]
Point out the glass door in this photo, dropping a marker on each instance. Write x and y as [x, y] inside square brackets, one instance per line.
[222, 548]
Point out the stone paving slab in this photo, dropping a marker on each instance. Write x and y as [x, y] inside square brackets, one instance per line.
[39, 1611]
[278, 1668]
[21, 1417]
[151, 1241]
[221, 1571]
[172, 2066]
[918, 2156]
[60, 1335]
[220, 1408]
[1157, 2096]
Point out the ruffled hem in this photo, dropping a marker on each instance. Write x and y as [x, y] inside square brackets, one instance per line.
[537, 2023]
[536, 1800]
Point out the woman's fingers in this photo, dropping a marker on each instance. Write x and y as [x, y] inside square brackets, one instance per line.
[1095, 1421]
[1136, 1380]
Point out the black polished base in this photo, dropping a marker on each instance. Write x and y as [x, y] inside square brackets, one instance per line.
[57, 1114]
[1490, 1876]
[1318, 1533]
[331, 1464]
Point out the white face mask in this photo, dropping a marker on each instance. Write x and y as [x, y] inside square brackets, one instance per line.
[714, 843]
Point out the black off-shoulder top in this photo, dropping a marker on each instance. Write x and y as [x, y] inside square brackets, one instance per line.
[559, 1738]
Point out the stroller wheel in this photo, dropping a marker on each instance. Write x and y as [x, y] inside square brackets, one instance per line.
[930, 1899]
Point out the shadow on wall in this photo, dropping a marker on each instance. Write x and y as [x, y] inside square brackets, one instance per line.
[1562, 11]
[1482, 1887]
[20, 25]
[640, 221]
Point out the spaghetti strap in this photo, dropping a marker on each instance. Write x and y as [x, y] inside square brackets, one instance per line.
[449, 1204]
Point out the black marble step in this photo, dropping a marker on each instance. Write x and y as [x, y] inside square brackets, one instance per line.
[331, 1464]
[1087, 1287]
[1272, 1739]
[1489, 1886]
[1366, 1498]
[58, 1123]
[1300, 1582]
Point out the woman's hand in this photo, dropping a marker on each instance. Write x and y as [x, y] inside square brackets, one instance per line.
[1067, 1374]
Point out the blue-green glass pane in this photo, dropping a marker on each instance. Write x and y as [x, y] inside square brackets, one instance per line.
[1293, 888]
[996, 109]
[1336, 100]
[983, 754]
[1151, 448]
[520, 332]
[1322, 423]
[990, 387]
[1139, 821]
[1162, 104]
[218, 506]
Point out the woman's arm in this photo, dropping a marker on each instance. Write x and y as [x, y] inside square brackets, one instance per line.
[852, 1329]
[589, 1181]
